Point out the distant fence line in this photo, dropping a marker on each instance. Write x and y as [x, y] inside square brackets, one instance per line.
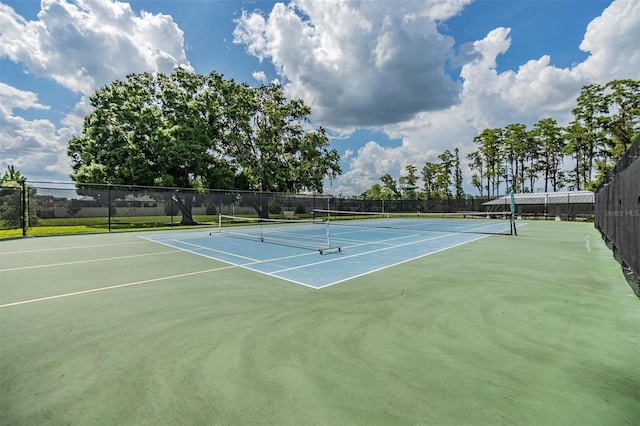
[114, 207]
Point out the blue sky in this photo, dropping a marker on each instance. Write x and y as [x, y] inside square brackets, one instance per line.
[395, 82]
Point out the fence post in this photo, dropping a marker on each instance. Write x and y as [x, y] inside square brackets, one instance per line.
[109, 206]
[24, 215]
[174, 197]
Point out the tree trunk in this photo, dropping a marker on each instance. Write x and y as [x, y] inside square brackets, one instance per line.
[184, 205]
[262, 208]
[546, 178]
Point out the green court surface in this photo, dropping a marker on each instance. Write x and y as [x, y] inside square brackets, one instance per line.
[539, 329]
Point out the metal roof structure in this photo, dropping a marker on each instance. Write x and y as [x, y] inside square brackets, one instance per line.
[545, 198]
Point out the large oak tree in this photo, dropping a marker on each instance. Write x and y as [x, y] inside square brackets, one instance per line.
[199, 131]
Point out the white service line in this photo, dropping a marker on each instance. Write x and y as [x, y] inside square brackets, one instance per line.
[76, 262]
[93, 290]
[2, 253]
[361, 254]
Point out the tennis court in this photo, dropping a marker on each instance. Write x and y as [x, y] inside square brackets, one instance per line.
[424, 327]
[351, 247]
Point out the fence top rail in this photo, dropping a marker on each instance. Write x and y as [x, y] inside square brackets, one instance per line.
[632, 154]
[83, 185]
[546, 198]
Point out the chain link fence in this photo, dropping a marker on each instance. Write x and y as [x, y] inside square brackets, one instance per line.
[568, 205]
[12, 207]
[47, 207]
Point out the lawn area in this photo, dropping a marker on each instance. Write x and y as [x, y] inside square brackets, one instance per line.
[58, 226]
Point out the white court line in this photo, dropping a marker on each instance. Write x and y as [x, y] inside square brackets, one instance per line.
[174, 240]
[390, 247]
[249, 267]
[408, 260]
[93, 290]
[252, 261]
[273, 274]
[211, 249]
[401, 262]
[357, 243]
[2, 253]
[245, 266]
[50, 265]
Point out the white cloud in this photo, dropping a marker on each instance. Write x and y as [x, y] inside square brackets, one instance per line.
[28, 144]
[80, 45]
[612, 41]
[89, 43]
[490, 99]
[18, 133]
[370, 162]
[259, 76]
[15, 98]
[377, 64]
[357, 63]
[535, 90]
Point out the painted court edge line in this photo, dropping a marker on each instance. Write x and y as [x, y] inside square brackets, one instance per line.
[403, 261]
[245, 266]
[408, 260]
[248, 267]
[375, 251]
[66, 248]
[51, 265]
[93, 290]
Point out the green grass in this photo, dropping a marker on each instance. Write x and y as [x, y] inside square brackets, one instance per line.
[10, 233]
[82, 225]
[126, 220]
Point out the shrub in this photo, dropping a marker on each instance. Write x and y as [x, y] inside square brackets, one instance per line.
[210, 209]
[275, 207]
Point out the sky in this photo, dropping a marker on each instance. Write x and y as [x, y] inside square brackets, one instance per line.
[394, 82]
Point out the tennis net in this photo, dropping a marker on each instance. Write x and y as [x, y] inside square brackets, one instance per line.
[305, 234]
[500, 223]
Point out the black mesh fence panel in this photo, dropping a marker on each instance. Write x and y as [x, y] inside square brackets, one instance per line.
[11, 205]
[617, 213]
[118, 207]
[99, 208]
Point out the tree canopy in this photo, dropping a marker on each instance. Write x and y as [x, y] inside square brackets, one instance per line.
[12, 202]
[514, 158]
[606, 120]
[200, 131]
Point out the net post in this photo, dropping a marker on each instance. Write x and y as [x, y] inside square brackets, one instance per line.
[219, 222]
[512, 219]
[261, 225]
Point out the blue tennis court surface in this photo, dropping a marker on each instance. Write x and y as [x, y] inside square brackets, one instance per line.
[292, 251]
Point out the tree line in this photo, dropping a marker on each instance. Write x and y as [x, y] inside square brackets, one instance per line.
[438, 179]
[12, 203]
[515, 158]
[200, 131]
